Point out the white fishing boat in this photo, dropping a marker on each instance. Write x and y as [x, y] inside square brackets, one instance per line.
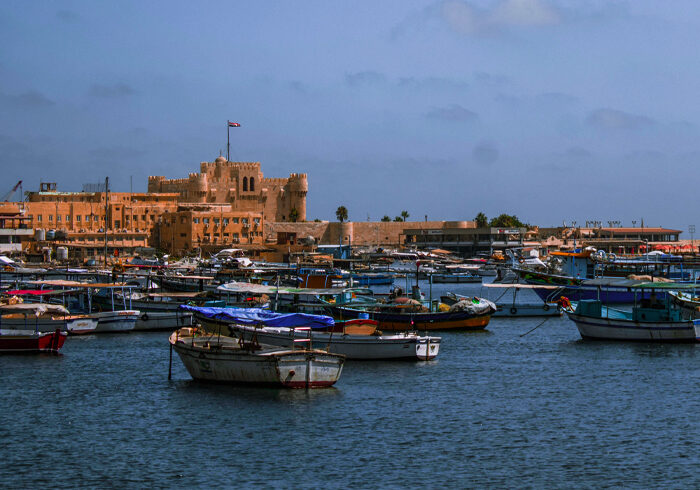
[219, 358]
[649, 320]
[404, 345]
[355, 339]
[116, 321]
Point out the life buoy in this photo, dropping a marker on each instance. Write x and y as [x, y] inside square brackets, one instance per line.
[144, 317]
[513, 310]
[545, 307]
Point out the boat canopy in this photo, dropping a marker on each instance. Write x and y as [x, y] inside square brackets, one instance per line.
[259, 316]
[36, 308]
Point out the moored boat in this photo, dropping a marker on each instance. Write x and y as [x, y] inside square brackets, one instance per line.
[356, 339]
[651, 319]
[28, 339]
[219, 358]
[471, 314]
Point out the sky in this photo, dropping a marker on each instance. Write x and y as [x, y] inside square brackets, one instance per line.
[553, 111]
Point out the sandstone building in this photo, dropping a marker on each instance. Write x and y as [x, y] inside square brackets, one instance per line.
[242, 186]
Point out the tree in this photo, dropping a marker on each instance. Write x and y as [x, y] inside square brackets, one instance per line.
[398, 219]
[293, 215]
[405, 215]
[481, 220]
[507, 221]
[341, 213]
[386, 218]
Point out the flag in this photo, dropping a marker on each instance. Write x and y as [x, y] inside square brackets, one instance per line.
[233, 125]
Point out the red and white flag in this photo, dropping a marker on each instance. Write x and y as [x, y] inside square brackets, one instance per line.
[233, 125]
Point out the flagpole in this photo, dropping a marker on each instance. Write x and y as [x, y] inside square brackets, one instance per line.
[228, 141]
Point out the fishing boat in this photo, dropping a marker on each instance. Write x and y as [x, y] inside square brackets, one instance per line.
[224, 359]
[471, 314]
[355, 339]
[44, 317]
[688, 302]
[111, 317]
[579, 274]
[25, 336]
[651, 319]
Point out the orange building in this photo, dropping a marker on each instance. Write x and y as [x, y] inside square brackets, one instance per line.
[195, 225]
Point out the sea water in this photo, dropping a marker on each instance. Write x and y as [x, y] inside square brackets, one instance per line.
[496, 408]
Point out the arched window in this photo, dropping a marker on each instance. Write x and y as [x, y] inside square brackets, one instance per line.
[245, 184]
[252, 184]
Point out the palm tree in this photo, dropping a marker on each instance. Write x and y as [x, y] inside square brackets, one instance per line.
[405, 215]
[341, 213]
[386, 218]
[481, 220]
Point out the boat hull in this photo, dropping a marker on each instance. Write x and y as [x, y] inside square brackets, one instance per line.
[19, 342]
[370, 347]
[210, 360]
[615, 329]
[163, 320]
[453, 320]
[116, 321]
[526, 310]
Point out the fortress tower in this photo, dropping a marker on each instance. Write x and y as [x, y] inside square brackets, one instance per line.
[243, 186]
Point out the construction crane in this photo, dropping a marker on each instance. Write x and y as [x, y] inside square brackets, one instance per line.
[7, 196]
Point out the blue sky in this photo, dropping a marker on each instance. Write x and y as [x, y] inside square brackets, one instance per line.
[554, 111]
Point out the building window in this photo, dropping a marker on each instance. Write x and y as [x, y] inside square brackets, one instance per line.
[252, 184]
[94, 218]
[183, 235]
[225, 221]
[245, 184]
[216, 221]
[195, 220]
[78, 217]
[235, 221]
[256, 221]
[39, 218]
[205, 221]
[67, 218]
[58, 218]
[87, 218]
[50, 218]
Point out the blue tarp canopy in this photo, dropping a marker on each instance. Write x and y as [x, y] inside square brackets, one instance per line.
[259, 316]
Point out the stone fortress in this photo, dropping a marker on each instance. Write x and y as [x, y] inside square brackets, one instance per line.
[242, 186]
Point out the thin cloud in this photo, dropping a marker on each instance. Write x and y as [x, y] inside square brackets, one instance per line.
[367, 77]
[433, 83]
[491, 79]
[485, 153]
[116, 153]
[578, 152]
[613, 119]
[452, 113]
[27, 100]
[465, 18]
[67, 16]
[114, 91]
